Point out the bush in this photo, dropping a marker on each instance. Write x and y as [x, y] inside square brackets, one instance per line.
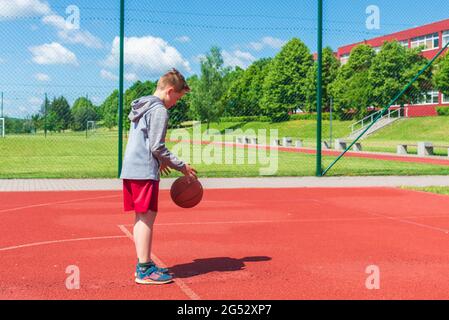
[443, 111]
[245, 119]
[310, 116]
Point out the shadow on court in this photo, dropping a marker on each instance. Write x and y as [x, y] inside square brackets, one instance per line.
[220, 264]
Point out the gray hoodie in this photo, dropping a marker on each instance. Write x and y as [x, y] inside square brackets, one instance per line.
[146, 150]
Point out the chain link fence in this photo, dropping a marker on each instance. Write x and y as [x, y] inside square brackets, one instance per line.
[382, 71]
[252, 68]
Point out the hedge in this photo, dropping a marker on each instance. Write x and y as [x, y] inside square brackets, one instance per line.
[443, 111]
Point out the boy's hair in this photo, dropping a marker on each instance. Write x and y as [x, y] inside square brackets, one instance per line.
[173, 78]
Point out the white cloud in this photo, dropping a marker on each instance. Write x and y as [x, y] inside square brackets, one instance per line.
[23, 8]
[42, 77]
[96, 100]
[270, 42]
[35, 101]
[132, 77]
[53, 53]
[199, 58]
[183, 39]
[105, 74]
[108, 75]
[56, 21]
[237, 58]
[69, 34]
[148, 54]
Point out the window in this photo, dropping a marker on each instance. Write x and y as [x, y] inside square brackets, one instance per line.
[431, 97]
[445, 37]
[377, 49]
[344, 58]
[404, 43]
[445, 98]
[429, 42]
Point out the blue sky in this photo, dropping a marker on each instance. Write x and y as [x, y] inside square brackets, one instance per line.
[43, 53]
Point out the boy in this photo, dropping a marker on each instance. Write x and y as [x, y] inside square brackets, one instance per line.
[145, 157]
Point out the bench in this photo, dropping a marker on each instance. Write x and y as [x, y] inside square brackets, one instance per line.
[341, 145]
[424, 148]
[443, 147]
[402, 148]
[325, 145]
[287, 141]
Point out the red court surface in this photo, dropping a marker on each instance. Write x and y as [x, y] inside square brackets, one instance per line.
[300, 243]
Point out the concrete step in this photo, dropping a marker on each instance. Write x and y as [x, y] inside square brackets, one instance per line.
[382, 123]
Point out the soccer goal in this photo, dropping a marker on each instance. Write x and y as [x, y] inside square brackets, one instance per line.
[91, 128]
[2, 127]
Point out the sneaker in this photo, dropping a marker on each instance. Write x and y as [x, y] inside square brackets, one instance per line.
[162, 270]
[152, 276]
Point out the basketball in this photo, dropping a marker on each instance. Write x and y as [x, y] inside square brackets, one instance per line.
[186, 192]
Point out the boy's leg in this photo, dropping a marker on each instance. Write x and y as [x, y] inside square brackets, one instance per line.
[143, 235]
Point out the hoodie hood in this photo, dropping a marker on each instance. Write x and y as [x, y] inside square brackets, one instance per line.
[140, 106]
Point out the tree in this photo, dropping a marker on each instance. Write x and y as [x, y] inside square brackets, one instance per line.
[59, 115]
[206, 102]
[181, 111]
[330, 69]
[441, 77]
[109, 110]
[351, 89]
[244, 93]
[285, 86]
[83, 110]
[392, 69]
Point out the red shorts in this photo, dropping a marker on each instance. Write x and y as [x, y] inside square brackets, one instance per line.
[140, 195]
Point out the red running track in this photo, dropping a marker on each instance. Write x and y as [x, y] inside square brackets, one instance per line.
[442, 161]
[306, 243]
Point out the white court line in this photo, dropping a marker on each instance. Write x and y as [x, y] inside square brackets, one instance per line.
[402, 219]
[181, 284]
[410, 222]
[34, 244]
[284, 221]
[52, 203]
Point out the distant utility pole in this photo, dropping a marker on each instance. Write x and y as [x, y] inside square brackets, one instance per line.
[2, 106]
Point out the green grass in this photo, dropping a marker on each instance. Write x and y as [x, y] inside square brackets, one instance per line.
[71, 155]
[410, 131]
[296, 129]
[437, 190]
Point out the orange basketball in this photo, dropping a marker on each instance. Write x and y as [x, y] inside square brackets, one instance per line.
[186, 192]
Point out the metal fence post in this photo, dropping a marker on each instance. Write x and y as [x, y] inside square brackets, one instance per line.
[319, 169]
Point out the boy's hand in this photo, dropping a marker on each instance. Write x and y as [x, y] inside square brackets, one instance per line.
[165, 170]
[188, 171]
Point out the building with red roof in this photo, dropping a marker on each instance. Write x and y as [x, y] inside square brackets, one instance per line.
[433, 37]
